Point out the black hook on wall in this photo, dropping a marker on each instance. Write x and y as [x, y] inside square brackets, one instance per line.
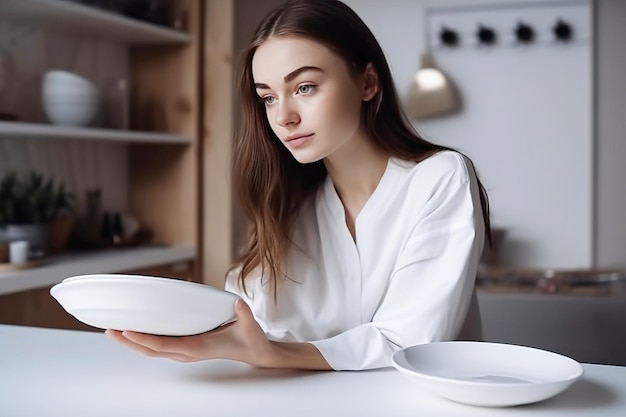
[524, 34]
[486, 35]
[448, 37]
[563, 31]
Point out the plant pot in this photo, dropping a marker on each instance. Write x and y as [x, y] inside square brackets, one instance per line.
[35, 234]
[59, 232]
[4, 252]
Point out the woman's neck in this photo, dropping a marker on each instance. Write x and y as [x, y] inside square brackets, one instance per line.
[356, 170]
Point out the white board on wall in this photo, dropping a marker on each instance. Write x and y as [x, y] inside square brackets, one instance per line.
[526, 118]
[527, 123]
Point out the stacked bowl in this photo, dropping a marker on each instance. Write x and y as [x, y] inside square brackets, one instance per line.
[69, 99]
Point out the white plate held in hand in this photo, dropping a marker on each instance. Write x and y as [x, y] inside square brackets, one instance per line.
[487, 374]
[145, 304]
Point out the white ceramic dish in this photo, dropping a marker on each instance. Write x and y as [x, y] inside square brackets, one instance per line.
[487, 374]
[145, 304]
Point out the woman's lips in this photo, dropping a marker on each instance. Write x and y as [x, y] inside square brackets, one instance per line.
[298, 141]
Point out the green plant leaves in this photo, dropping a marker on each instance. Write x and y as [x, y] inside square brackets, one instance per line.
[31, 198]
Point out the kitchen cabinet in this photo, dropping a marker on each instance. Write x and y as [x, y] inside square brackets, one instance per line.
[585, 328]
[36, 307]
[170, 167]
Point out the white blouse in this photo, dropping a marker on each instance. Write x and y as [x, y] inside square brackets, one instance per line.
[407, 278]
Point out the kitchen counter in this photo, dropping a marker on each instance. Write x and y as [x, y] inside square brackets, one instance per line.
[56, 268]
[46, 372]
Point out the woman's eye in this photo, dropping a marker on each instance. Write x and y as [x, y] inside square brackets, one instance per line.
[269, 100]
[306, 89]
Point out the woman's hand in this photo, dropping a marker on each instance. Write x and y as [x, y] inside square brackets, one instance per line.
[242, 340]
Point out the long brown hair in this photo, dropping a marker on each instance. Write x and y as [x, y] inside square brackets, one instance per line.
[269, 183]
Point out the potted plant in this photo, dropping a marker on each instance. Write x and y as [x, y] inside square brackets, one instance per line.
[28, 204]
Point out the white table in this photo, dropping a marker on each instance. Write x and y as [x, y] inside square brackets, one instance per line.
[46, 372]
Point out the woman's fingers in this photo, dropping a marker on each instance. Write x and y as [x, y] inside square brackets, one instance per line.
[119, 337]
[242, 339]
[243, 312]
[124, 339]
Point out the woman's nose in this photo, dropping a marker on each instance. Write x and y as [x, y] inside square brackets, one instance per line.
[286, 114]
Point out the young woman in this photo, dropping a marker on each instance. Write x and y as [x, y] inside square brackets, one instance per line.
[365, 238]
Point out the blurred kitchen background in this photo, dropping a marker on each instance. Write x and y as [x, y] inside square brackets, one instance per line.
[129, 105]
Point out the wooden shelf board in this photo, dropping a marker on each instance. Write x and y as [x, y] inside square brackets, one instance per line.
[57, 268]
[49, 131]
[70, 17]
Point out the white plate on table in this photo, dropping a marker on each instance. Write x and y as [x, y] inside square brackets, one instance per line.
[154, 305]
[487, 374]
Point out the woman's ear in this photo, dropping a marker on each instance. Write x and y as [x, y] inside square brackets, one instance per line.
[370, 83]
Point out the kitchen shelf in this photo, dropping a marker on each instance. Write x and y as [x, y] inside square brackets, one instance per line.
[76, 18]
[48, 131]
[58, 268]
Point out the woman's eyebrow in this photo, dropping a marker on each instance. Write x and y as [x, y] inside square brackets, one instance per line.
[293, 74]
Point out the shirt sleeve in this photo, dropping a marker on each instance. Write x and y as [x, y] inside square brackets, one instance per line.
[431, 286]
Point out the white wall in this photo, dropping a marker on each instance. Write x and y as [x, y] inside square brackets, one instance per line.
[526, 122]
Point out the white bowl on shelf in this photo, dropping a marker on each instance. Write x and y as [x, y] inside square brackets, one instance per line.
[69, 99]
[145, 304]
[65, 82]
[71, 109]
[487, 374]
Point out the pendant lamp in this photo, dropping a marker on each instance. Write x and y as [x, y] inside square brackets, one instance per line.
[432, 93]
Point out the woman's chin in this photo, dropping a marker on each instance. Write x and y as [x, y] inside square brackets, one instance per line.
[306, 157]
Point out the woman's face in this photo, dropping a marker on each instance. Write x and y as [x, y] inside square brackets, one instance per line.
[312, 102]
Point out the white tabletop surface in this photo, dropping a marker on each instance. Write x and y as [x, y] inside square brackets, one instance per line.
[45, 372]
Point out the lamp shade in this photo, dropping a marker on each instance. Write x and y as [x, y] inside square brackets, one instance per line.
[432, 93]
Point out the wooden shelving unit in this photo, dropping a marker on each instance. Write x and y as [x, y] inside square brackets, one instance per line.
[164, 151]
[179, 148]
[164, 74]
[48, 131]
[75, 18]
